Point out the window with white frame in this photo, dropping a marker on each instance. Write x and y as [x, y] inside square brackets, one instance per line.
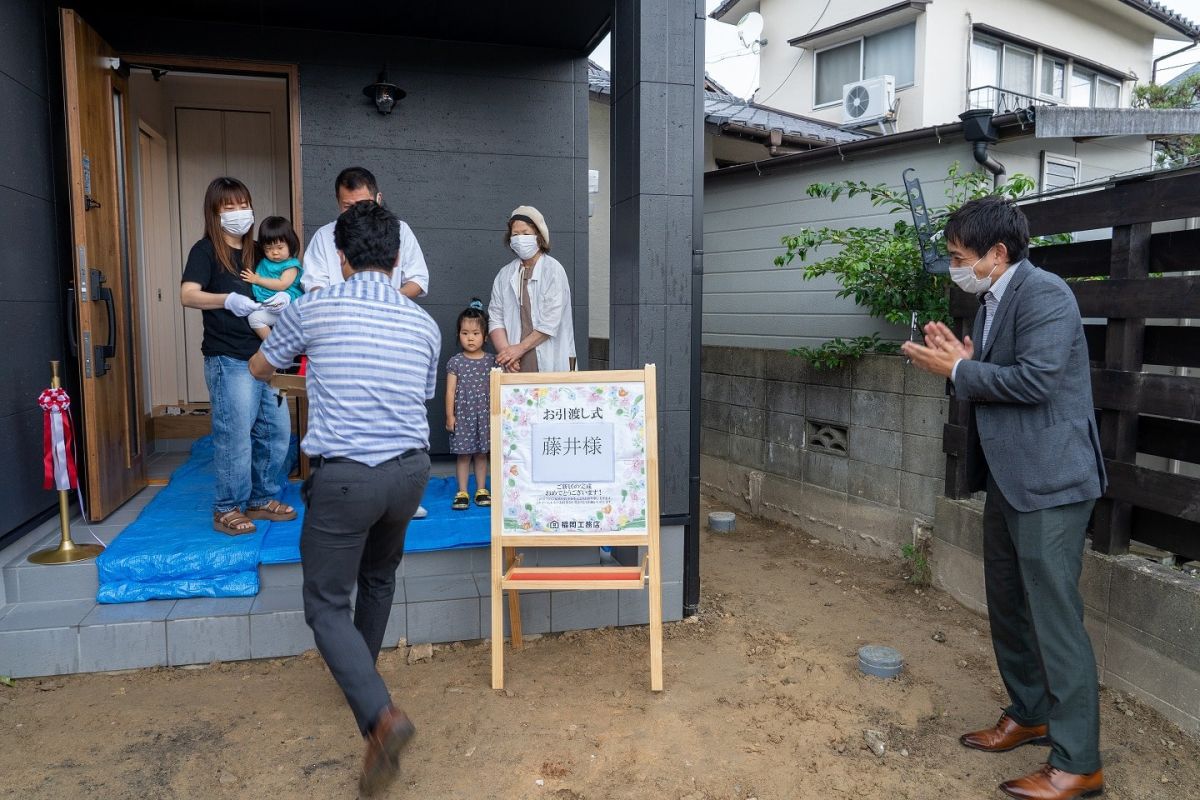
[892, 52]
[1004, 74]
[1058, 172]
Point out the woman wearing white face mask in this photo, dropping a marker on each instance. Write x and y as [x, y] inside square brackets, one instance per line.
[251, 429]
[530, 320]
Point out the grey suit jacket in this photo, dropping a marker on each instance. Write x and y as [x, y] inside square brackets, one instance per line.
[1031, 391]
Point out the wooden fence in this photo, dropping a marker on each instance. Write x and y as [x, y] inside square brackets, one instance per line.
[1143, 404]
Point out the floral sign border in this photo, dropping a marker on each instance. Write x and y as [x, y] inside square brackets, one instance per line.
[620, 506]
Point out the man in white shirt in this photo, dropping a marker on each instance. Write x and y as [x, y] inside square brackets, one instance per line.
[321, 265]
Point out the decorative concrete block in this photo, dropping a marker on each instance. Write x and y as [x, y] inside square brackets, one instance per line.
[583, 609]
[278, 634]
[45, 651]
[535, 614]
[201, 640]
[440, 587]
[438, 562]
[875, 483]
[122, 645]
[875, 446]
[876, 409]
[827, 403]
[443, 621]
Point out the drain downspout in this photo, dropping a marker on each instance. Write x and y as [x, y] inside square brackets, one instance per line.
[980, 132]
[989, 162]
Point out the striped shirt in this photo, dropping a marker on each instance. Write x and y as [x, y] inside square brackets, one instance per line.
[372, 364]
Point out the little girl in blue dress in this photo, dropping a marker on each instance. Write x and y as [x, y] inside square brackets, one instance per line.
[467, 405]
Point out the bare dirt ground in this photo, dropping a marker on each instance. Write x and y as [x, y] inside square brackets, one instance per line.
[763, 700]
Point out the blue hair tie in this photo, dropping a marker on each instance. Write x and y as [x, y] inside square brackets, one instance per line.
[476, 304]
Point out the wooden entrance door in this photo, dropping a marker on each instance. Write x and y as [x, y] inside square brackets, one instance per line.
[103, 286]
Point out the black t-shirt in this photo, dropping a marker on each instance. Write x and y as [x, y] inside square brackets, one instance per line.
[224, 333]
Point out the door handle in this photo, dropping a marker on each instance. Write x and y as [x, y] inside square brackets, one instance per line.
[72, 328]
[100, 292]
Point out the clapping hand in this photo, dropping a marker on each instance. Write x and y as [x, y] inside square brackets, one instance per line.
[941, 351]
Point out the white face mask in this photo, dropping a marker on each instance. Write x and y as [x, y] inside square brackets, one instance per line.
[524, 245]
[237, 222]
[968, 281]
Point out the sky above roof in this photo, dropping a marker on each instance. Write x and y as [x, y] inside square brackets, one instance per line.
[736, 66]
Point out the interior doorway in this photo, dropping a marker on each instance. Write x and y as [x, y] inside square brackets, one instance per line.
[193, 126]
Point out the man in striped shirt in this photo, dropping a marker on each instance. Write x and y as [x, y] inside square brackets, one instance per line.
[372, 364]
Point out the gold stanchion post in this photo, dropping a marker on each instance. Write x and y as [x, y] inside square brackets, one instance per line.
[67, 551]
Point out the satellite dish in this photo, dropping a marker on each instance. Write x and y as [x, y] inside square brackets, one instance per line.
[750, 28]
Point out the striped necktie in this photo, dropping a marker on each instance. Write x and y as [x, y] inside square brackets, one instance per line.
[990, 303]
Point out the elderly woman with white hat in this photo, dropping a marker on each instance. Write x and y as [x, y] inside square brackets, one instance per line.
[530, 319]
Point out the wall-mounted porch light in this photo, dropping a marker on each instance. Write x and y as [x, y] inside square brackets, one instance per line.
[383, 93]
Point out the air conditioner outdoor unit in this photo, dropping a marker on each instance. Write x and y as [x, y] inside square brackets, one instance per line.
[869, 101]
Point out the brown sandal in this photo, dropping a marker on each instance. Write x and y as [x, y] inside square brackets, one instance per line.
[233, 523]
[274, 511]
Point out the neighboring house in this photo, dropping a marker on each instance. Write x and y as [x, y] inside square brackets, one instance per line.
[735, 132]
[749, 302]
[950, 55]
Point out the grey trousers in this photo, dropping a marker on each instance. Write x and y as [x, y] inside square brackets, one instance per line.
[354, 525]
[1032, 563]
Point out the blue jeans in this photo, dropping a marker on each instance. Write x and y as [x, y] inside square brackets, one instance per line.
[251, 431]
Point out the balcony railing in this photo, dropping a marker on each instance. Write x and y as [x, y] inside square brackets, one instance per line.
[1002, 101]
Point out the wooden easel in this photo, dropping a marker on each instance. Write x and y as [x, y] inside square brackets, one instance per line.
[508, 574]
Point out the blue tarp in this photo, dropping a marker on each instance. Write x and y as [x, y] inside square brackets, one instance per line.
[171, 550]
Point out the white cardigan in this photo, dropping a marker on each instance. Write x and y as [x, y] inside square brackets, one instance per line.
[550, 307]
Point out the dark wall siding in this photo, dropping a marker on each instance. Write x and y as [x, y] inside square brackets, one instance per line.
[482, 130]
[31, 322]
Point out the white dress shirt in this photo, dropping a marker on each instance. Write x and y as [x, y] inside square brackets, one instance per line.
[323, 268]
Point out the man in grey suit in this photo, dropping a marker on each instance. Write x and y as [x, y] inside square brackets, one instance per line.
[1025, 372]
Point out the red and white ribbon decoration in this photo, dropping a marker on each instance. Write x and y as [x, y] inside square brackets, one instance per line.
[58, 440]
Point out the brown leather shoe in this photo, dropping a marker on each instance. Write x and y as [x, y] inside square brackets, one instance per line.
[1007, 734]
[385, 740]
[1051, 783]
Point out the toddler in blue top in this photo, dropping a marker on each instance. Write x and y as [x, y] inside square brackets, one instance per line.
[278, 271]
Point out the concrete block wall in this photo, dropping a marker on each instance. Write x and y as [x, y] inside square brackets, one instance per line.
[1143, 618]
[759, 411]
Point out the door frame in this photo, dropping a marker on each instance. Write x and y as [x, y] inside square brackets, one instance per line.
[228, 66]
[246, 68]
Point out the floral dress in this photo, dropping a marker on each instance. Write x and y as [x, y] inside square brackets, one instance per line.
[472, 429]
